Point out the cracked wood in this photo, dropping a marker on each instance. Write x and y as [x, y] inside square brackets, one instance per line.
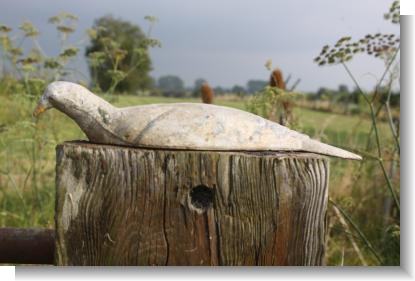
[130, 206]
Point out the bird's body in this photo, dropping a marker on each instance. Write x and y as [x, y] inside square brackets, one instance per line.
[177, 126]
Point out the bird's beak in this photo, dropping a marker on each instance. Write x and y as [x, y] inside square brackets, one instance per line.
[39, 109]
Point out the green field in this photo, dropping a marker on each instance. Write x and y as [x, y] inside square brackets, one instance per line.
[27, 163]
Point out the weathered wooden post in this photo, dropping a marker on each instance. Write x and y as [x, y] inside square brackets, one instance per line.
[185, 184]
[129, 206]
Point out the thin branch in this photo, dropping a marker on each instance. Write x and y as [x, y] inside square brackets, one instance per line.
[390, 119]
[389, 184]
[388, 66]
[375, 128]
[346, 227]
[361, 234]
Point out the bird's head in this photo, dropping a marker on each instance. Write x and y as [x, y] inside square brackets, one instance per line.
[53, 93]
[44, 102]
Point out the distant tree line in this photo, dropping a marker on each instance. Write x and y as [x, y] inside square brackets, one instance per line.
[344, 95]
[174, 86]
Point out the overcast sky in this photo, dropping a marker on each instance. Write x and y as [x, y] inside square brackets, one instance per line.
[227, 42]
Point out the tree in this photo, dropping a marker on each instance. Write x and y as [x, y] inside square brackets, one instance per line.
[238, 90]
[343, 89]
[171, 85]
[254, 86]
[219, 90]
[118, 56]
[323, 93]
[196, 88]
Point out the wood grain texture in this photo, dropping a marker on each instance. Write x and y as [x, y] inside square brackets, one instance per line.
[131, 206]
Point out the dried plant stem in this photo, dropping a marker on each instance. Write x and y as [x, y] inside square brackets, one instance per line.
[369, 137]
[388, 65]
[350, 237]
[342, 258]
[387, 102]
[377, 138]
[390, 121]
[357, 229]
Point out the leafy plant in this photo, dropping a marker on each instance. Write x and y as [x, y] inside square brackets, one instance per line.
[27, 145]
[386, 155]
[25, 59]
[269, 103]
[118, 55]
[274, 102]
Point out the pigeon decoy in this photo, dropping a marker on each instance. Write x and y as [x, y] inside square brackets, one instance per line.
[176, 126]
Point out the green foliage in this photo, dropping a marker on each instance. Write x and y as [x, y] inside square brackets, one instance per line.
[118, 55]
[31, 66]
[269, 103]
[196, 88]
[382, 150]
[27, 145]
[254, 86]
[238, 90]
[394, 13]
[391, 249]
[171, 86]
[378, 45]
[27, 159]
[64, 23]
[29, 29]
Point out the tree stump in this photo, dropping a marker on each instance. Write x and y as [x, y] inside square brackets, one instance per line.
[139, 206]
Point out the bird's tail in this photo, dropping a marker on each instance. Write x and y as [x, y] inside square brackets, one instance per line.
[322, 148]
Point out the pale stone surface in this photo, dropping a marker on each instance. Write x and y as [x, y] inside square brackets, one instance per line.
[177, 126]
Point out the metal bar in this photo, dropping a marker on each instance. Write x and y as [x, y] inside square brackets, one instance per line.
[27, 245]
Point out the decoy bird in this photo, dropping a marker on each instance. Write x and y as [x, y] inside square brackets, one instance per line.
[193, 126]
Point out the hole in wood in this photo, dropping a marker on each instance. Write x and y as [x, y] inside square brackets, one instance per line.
[201, 198]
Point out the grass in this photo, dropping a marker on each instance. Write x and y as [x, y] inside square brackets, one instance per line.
[337, 129]
[27, 165]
